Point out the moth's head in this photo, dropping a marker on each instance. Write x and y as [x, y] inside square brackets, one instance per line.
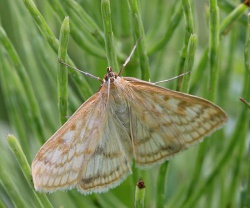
[110, 75]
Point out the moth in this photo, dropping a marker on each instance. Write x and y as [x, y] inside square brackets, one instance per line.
[127, 119]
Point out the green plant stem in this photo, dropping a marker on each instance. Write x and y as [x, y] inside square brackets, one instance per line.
[189, 62]
[188, 32]
[62, 74]
[226, 74]
[231, 18]
[199, 72]
[139, 194]
[213, 54]
[239, 156]
[247, 48]
[213, 48]
[161, 184]
[139, 33]
[227, 7]
[188, 19]
[245, 201]
[24, 165]
[37, 16]
[235, 14]
[109, 36]
[84, 30]
[82, 26]
[86, 20]
[245, 195]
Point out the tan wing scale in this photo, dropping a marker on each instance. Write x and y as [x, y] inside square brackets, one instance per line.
[165, 122]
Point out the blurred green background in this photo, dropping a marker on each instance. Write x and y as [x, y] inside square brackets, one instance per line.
[213, 173]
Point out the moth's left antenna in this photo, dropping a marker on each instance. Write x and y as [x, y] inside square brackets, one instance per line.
[85, 73]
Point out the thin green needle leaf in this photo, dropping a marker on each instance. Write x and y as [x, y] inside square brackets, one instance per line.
[79, 80]
[62, 75]
[109, 36]
[139, 33]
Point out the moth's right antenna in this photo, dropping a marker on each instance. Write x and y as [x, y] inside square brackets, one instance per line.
[131, 54]
[178, 76]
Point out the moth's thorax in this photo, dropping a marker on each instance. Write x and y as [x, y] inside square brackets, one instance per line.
[110, 75]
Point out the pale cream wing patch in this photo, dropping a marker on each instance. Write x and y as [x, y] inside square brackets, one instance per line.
[111, 161]
[165, 122]
[86, 152]
[58, 163]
